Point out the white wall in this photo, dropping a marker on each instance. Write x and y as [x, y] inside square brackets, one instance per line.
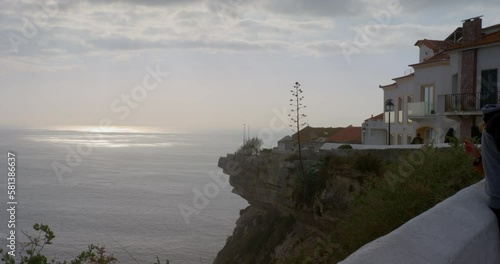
[403, 88]
[461, 229]
[455, 62]
[425, 53]
[439, 76]
[487, 58]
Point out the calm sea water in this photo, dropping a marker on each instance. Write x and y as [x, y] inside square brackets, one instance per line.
[124, 193]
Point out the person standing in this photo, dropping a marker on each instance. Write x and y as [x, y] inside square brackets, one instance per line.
[450, 136]
[417, 139]
[490, 155]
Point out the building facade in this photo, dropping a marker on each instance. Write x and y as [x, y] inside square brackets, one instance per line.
[453, 79]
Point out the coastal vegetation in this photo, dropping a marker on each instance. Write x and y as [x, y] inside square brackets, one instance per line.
[31, 251]
[392, 193]
[345, 199]
[251, 146]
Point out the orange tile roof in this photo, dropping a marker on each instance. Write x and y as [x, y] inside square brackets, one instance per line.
[434, 45]
[443, 46]
[377, 117]
[349, 134]
[310, 133]
[404, 76]
[485, 39]
[439, 57]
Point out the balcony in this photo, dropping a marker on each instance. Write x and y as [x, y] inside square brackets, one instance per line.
[468, 103]
[421, 110]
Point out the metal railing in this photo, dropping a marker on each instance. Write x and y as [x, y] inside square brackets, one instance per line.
[469, 102]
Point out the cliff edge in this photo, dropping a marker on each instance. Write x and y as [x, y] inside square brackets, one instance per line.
[343, 200]
[286, 215]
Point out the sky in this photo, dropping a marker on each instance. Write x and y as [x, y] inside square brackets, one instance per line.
[210, 65]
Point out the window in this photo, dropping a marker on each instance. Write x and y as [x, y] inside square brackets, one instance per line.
[409, 100]
[400, 109]
[489, 87]
[386, 116]
[409, 139]
[428, 99]
[400, 139]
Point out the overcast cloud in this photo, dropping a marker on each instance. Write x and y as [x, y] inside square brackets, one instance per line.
[66, 36]
[303, 27]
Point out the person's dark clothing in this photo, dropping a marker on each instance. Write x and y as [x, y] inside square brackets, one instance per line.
[417, 140]
[450, 135]
[490, 155]
[497, 213]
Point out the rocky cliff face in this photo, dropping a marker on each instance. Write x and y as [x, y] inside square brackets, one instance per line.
[287, 214]
[297, 217]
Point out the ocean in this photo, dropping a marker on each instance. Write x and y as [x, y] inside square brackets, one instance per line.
[123, 189]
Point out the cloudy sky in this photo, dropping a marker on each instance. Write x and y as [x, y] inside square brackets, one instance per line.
[198, 64]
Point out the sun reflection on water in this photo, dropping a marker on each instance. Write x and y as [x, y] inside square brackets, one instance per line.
[110, 137]
[113, 129]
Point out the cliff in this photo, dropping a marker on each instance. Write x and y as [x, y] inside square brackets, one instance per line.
[344, 199]
[286, 215]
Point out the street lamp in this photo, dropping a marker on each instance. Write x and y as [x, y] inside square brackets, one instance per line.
[389, 107]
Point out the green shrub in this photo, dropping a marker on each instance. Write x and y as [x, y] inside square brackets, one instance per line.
[345, 146]
[313, 183]
[31, 251]
[368, 163]
[266, 150]
[292, 157]
[251, 147]
[392, 200]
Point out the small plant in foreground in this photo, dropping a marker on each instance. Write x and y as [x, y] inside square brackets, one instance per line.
[31, 251]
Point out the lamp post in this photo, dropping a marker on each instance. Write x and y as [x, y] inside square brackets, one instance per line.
[389, 107]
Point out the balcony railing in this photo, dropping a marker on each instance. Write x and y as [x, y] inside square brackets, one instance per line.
[469, 102]
[420, 109]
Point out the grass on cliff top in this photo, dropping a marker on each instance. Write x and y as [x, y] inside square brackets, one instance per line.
[420, 180]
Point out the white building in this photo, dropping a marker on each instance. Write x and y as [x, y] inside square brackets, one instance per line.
[374, 131]
[286, 143]
[453, 79]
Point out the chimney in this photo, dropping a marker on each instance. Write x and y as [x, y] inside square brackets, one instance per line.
[471, 33]
[472, 28]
